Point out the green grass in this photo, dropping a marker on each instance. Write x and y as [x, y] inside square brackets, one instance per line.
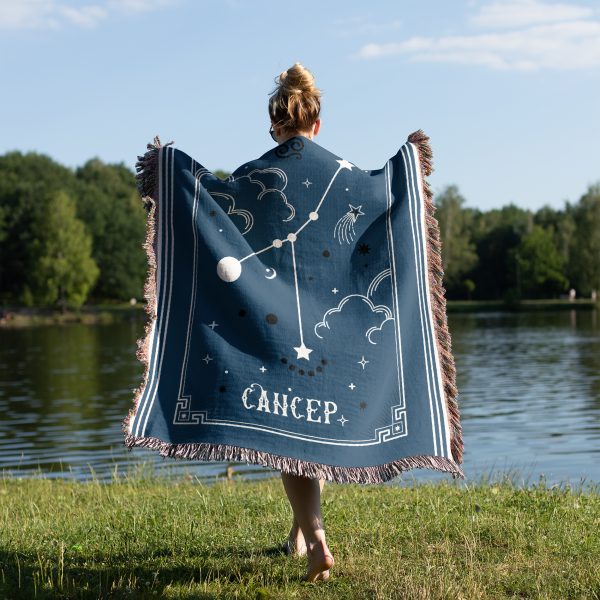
[148, 536]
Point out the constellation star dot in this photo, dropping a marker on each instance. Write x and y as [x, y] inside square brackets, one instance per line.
[229, 268]
[302, 351]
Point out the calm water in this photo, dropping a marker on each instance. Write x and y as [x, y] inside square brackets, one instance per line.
[529, 397]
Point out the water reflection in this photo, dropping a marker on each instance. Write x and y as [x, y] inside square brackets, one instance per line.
[529, 397]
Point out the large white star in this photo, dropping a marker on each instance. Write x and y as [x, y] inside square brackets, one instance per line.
[302, 351]
[344, 164]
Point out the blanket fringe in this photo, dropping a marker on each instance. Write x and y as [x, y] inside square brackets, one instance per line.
[226, 453]
[147, 180]
[438, 299]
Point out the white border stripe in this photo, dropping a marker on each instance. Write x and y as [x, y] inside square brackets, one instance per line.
[415, 176]
[181, 395]
[394, 289]
[169, 252]
[424, 276]
[441, 392]
[418, 272]
[159, 283]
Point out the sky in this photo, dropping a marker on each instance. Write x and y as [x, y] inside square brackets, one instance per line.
[507, 90]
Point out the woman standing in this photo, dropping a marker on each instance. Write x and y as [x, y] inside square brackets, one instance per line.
[294, 108]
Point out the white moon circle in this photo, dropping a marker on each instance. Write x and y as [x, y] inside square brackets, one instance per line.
[274, 273]
[229, 268]
[313, 216]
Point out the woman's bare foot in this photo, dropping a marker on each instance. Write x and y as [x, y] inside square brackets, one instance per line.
[320, 560]
[295, 544]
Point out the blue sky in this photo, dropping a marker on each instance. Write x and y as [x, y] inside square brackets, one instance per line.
[507, 90]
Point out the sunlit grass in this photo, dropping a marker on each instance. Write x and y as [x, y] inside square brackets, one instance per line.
[148, 535]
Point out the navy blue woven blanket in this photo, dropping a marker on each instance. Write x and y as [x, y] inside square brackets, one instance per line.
[297, 317]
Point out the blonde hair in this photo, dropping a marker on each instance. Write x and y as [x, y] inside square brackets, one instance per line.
[295, 103]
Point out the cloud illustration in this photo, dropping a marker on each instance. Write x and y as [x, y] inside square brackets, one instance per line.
[382, 313]
[271, 181]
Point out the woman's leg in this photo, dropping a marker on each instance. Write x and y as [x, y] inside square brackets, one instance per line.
[304, 495]
[295, 540]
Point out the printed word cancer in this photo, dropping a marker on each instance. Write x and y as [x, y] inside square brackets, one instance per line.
[311, 409]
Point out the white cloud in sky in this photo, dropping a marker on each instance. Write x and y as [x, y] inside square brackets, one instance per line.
[56, 14]
[530, 35]
[521, 13]
[138, 5]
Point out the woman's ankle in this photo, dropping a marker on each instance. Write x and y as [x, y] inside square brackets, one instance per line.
[316, 540]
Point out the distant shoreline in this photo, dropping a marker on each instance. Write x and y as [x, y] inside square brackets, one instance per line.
[21, 316]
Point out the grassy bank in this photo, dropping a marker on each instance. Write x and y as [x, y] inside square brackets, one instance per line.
[159, 538]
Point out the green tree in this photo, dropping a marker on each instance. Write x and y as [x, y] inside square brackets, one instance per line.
[585, 243]
[25, 179]
[496, 232]
[110, 206]
[562, 226]
[458, 251]
[221, 174]
[65, 269]
[539, 265]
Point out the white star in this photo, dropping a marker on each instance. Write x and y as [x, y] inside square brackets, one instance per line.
[302, 351]
[307, 182]
[335, 290]
[226, 371]
[289, 389]
[352, 386]
[346, 189]
[363, 362]
[263, 369]
[213, 325]
[207, 358]
[344, 164]
[342, 420]
[397, 427]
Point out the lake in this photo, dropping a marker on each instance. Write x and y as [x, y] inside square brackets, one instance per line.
[529, 396]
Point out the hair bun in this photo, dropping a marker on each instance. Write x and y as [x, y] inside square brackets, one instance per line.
[295, 103]
[297, 80]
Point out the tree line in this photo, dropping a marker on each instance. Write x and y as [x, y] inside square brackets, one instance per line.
[513, 253]
[74, 236]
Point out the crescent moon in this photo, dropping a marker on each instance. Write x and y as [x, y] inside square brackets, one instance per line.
[272, 276]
